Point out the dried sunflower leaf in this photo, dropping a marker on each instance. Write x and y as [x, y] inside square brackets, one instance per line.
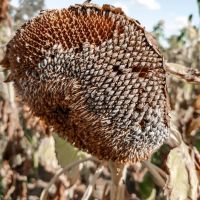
[194, 126]
[190, 75]
[46, 152]
[197, 103]
[182, 181]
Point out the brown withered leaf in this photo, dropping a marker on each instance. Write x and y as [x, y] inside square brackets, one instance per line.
[187, 74]
[194, 126]
[197, 103]
[3, 10]
[182, 182]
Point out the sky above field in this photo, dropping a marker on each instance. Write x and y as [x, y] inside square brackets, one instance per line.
[148, 12]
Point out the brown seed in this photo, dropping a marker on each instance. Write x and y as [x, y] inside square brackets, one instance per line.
[94, 75]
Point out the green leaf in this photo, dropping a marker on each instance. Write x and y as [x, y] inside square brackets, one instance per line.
[146, 186]
[152, 195]
[190, 17]
[65, 152]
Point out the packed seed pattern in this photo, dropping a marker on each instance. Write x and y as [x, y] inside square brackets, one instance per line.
[96, 76]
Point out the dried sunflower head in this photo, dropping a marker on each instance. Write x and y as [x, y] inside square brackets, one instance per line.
[94, 75]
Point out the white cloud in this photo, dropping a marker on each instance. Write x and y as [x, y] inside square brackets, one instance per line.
[122, 5]
[174, 24]
[125, 5]
[150, 4]
[181, 21]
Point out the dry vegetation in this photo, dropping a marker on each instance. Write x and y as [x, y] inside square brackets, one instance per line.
[29, 159]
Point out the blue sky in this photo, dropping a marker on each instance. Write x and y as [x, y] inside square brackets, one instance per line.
[148, 12]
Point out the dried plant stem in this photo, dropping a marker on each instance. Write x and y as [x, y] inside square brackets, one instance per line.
[160, 171]
[90, 187]
[122, 187]
[105, 190]
[61, 171]
[2, 46]
[117, 191]
[9, 192]
[175, 136]
[190, 75]
[160, 181]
